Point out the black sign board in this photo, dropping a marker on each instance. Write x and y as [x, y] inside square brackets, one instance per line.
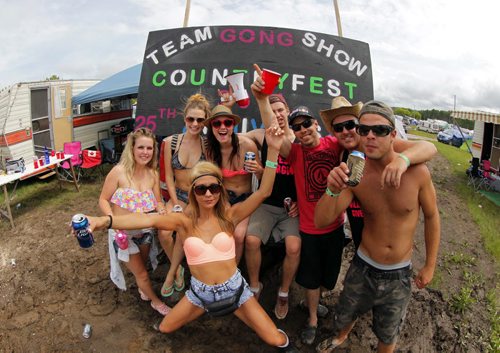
[315, 68]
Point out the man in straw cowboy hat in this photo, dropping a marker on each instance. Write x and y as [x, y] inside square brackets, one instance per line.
[341, 121]
[379, 277]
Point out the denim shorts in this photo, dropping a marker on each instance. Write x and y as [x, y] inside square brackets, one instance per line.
[216, 292]
[386, 293]
[233, 198]
[182, 195]
[144, 237]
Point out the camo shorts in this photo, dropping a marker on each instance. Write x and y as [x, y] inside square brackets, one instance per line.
[386, 293]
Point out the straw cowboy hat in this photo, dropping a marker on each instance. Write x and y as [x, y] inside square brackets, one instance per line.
[340, 106]
[222, 110]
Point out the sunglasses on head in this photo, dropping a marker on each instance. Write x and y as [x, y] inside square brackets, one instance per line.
[378, 130]
[306, 123]
[218, 123]
[191, 120]
[201, 190]
[348, 125]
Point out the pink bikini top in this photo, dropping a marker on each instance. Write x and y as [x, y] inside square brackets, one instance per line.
[198, 252]
[228, 173]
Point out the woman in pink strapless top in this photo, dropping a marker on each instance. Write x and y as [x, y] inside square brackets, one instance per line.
[205, 232]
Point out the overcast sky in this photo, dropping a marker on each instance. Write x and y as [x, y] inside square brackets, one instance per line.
[423, 52]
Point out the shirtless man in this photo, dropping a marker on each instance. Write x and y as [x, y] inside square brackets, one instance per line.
[379, 276]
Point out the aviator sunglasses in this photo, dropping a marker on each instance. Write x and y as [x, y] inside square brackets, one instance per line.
[348, 125]
[191, 120]
[201, 190]
[378, 130]
[218, 123]
[306, 123]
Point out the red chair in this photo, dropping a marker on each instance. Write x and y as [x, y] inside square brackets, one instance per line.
[91, 163]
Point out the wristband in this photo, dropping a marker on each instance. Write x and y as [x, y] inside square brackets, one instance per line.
[404, 158]
[331, 193]
[270, 164]
[110, 221]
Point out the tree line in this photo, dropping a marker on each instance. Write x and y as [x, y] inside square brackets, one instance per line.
[434, 114]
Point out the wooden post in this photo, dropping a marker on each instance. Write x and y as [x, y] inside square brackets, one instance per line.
[337, 16]
[186, 13]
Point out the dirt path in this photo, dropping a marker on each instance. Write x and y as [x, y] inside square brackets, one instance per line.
[56, 287]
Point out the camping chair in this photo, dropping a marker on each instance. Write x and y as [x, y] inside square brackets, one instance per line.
[75, 149]
[91, 163]
[474, 174]
[107, 147]
[487, 179]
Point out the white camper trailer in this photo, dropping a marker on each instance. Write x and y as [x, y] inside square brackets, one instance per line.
[34, 115]
[486, 138]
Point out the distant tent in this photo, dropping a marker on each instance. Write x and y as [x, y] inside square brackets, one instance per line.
[123, 83]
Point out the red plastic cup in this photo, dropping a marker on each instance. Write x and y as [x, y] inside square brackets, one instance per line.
[35, 163]
[52, 153]
[40, 161]
[271, 80]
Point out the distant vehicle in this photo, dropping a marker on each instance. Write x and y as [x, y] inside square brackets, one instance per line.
[451, 137]
[429, 126]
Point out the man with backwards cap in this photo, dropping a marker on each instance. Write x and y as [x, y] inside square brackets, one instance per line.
[341, 121]
[380, 273]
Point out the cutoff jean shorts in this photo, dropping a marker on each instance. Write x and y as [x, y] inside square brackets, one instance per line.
[216, 292]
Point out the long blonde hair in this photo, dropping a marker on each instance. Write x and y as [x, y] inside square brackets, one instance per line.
[197, 101]
[209, 169]
[127, 159]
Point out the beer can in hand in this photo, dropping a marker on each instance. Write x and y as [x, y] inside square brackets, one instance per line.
[84, 236]
[356, 165]
[249, 156]
[287, 203]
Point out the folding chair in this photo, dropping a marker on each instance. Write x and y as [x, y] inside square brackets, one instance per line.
[487, 179]
[108, 152]
[75, 149]
[474, 174]
[91, 163]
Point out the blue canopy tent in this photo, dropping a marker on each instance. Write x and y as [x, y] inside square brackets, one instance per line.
[123, 83]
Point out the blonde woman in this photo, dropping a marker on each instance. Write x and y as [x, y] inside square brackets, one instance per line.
[132, 186]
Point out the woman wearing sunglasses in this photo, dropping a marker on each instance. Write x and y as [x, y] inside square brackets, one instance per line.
[205, 231]
[227, 150]
[182, 152]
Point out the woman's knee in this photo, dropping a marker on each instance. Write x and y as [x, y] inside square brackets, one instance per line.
[252, 242]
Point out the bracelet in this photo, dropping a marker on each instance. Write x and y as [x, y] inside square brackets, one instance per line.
[110, 221]
[270, 164]
[404, 158]
[331, 193]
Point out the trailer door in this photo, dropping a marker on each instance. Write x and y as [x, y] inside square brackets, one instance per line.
[40, 120]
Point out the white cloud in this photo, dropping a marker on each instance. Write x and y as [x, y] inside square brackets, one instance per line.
[423, 52]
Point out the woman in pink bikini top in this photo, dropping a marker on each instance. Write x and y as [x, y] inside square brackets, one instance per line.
[205, 233]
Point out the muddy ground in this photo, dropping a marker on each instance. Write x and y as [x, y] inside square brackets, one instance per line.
[56, 287]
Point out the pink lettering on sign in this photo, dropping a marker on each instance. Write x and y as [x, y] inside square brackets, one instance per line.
[248, 36]
[150, 121]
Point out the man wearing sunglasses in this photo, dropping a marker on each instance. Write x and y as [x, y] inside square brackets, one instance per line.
[341, 120]
[379, 277]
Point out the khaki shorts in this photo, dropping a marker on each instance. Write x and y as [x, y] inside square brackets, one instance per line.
[267, 220]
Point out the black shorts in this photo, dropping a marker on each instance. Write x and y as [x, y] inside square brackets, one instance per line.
[320, 259]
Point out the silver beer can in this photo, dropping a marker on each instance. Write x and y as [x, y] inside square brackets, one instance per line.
[287, 203]
[87, 331]
[356, 165]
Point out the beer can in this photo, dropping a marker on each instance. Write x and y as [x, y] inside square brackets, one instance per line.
[84, 236]
[249, 156]
[356, 165]
[87, 331]
[177, 209]
[287, 203]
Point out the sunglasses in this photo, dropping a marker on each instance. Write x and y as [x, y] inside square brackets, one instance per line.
[348, 125]
[378, 130]
[201, 190]
[191, 120]
[218, 123]
[306, 123]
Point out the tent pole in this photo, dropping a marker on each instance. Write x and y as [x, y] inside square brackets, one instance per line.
[337, 16]
[186, 13]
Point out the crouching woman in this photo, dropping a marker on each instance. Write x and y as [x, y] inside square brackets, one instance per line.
[206, 233]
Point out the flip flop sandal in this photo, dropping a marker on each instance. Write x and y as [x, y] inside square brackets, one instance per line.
[281, 307]
[180, 286]
[327, 345]
[163, 308]
[308, 334]
[167, 291]
[143, 296]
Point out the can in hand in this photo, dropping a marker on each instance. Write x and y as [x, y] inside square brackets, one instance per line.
[87, 331]
[177, 209]
[84, 236]
[356, 165]
[249, 156]
[287, 203]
